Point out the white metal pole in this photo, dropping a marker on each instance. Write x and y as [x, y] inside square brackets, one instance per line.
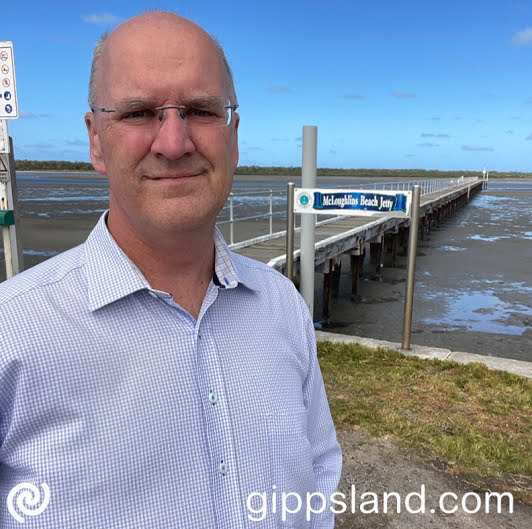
[290, 231]
[308, 221]
[12, 199]
[271, 211]
[8, 254]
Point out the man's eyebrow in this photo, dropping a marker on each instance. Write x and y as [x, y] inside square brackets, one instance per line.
[139, 102]
[202, 100]
[135, 102]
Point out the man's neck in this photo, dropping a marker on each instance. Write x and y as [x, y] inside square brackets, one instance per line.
[181, 263]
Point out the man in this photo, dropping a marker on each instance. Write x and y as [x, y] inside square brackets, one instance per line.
[150, 377]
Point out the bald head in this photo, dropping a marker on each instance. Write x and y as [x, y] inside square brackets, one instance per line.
[149, 23]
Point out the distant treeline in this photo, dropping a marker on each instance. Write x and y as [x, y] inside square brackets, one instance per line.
[52, 165]
[60, 165]
[375, 173]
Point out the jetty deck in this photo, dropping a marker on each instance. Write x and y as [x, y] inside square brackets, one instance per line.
[349, 234]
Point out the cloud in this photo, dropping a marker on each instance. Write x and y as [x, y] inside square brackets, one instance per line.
[435, 118]
[410, 155]
[402, 95]
[476, 148]
[509, 132]
[26, 115]
[528, 101]
[76, 143]
[523, 38]
[430, 135]
[529, 137]
[279, 139]
[39, 146]
[279, 90]
[102, 19]
[353, 96]
[428, 144]
[253, 148]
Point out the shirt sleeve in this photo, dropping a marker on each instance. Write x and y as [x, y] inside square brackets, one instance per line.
[327, 454]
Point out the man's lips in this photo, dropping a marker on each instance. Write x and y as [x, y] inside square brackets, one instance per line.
[173, 176]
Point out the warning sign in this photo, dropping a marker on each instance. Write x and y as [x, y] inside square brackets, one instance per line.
[8, 98]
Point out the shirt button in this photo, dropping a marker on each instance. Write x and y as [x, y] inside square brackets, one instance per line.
[223, 468]
[213, 398]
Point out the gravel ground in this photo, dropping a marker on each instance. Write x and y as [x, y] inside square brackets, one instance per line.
[382, 465]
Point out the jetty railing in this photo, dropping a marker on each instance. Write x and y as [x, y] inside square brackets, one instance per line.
[275, 203]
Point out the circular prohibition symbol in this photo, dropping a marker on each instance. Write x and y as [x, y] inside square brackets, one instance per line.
[5, 69]
[6, 82]
[4, 56]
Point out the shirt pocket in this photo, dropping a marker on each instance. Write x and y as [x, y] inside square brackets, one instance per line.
[291, 463]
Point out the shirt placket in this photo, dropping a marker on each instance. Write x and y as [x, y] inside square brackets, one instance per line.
[220, 435]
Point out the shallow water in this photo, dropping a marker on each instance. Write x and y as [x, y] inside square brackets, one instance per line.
[473, 282]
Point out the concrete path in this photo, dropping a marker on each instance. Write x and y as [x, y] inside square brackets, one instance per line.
[523, 369]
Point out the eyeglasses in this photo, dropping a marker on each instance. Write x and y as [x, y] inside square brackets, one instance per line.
[205, 112]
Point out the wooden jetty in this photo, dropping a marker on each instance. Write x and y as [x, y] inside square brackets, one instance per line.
[354, 235]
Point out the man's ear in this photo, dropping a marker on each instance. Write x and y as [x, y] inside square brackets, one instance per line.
[94, 141]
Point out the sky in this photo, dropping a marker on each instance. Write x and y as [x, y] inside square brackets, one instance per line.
[415, 84]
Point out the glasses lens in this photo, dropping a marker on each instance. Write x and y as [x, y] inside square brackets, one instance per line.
[136, 116]
[197, 113]
[207, 113]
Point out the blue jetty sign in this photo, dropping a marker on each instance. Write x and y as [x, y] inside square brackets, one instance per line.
[352, 202]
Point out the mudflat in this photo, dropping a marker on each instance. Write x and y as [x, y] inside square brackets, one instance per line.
[473, 279]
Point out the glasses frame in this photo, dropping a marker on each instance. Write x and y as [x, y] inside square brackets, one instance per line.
[182, 115]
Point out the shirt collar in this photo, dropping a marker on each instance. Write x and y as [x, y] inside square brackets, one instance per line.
[112, 275]
[230, 271]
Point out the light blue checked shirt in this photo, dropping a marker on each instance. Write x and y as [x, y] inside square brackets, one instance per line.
[135, 415]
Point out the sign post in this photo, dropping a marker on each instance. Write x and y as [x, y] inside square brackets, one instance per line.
[411, 268]
[308, 222]
[9, 215]
[370, 202]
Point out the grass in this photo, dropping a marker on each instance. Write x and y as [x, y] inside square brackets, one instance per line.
[472, 421]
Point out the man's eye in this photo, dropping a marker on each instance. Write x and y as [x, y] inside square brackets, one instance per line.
[200, 113]
[144, 113]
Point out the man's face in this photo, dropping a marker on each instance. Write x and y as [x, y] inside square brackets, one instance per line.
[168, 178]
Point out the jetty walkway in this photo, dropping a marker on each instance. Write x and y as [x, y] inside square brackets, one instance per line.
[356, 235]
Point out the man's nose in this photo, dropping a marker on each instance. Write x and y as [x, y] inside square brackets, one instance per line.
[172, 139]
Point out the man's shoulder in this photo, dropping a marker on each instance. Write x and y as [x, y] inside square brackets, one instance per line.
[263, 276]
[53, 271]
[257, 267]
